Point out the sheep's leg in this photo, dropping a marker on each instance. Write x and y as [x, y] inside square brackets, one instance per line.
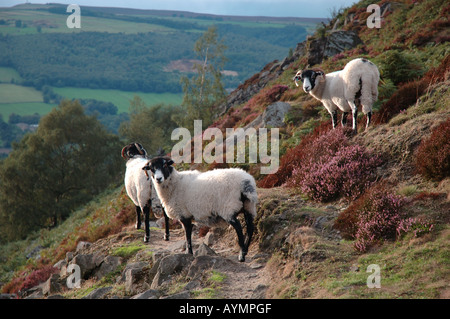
[147, 223]
[369, 117]
[250, 228]
[354, 116]
[344, 119]
[237, 226]
[138, 218]
[334, 118]
[187, 225]
[166, 220]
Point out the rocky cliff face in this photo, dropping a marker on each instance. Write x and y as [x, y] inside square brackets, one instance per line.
[316, 49]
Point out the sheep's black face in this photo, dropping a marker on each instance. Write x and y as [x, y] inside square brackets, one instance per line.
[308, 78]
[132, 150]
[161, 168]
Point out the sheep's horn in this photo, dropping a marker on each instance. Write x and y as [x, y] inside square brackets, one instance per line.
[139, 148]
[123, 152]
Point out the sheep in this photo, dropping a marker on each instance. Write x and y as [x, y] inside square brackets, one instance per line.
[139, 187]
[208, 198]
[358, 81]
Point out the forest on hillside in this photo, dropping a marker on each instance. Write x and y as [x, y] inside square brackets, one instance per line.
[136, 62]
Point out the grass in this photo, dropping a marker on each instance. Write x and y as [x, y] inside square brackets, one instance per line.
[25, 108]
[51, 23]
[119, 98]
[127, 251]
[24, 100]
[412, 268]
[8, 74]
[12, 93]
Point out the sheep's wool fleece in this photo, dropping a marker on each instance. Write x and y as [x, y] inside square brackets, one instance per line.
[136, 182]
[206, 196]
[342, 86]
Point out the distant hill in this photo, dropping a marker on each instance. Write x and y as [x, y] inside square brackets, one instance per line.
[80, 57]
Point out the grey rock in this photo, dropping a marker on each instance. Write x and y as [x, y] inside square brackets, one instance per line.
[134, 279]
[169, 266]
[202, 263]
[148, 294]
[180, 295]
[259, 292]
[204, 250]
[274, 114]
[98, 293]
[52, 285]
[108, 265]
[82, 245]
[137, 265]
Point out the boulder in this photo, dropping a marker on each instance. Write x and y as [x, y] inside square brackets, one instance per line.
[202, 263]
[82, 245]
[148, 294]
[274, 114]
[98, 293]
[88, 263]
[108, 265]
[335, 42]
[204, 250]
[135, 278]
[53, 285]
[169, 266]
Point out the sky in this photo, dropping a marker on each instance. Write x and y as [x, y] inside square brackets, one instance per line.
[273, 8]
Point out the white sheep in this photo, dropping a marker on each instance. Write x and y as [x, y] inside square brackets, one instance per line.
[208, 198]
[358, 81]
[139, 186]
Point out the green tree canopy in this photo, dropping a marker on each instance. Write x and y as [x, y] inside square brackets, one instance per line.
[204, 91]
[151, 126]
[70, 158]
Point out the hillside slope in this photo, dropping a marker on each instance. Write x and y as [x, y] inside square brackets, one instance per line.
[304, 248]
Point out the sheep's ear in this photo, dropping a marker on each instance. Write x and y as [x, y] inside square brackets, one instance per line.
[320, 73]
[146, 167]
[297, 77]
[169, 162]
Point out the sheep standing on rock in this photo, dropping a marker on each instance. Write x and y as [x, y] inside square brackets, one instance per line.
[139, 186]
[208, 198]
[357, 82]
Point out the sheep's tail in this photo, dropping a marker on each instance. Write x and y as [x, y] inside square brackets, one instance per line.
[369, 89]
[249, 196]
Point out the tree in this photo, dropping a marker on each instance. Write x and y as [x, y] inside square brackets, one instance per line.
[151, 126]
[68, 160]
[204, 91]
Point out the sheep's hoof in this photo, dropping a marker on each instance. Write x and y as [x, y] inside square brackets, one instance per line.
[146, 239]
[241, 258]
[137, 226]
[166, 237]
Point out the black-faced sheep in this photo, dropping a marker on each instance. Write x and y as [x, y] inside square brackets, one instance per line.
[358, 81]
[139, 186]
[207, 198]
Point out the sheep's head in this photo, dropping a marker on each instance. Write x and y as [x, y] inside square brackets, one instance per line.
[132, 150]
[309, 78]
[161, 168]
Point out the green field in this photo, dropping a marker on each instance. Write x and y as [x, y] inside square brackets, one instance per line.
[57, 23]
[13, 93]
[121, 99]
[9, 74]
[27, 108]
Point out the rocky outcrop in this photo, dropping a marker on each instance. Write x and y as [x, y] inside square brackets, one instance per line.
[316, 49]
[258, 81]
[335, 42]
